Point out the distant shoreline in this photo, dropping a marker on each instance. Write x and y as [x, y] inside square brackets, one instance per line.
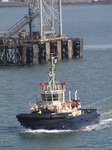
[22, 4]
[13, 4]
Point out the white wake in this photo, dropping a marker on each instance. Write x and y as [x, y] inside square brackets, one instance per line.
[105, 122]
[44, 131]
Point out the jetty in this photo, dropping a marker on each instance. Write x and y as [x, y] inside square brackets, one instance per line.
[21, 47]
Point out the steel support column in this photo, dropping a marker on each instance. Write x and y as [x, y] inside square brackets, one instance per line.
[60, 18]
[41, 19]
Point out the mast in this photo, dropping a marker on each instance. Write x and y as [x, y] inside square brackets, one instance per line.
[52, 74]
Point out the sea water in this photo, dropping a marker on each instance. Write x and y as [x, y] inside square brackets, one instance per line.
[91, 76]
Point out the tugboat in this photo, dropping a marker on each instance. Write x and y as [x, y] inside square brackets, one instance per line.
[54, 112]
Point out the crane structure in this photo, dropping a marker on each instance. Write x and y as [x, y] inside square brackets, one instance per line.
[48, 15]
[48, 18]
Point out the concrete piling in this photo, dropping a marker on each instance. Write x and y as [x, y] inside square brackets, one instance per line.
[47, 52]
[59, 50]
[81, 47]
[69, 49]
[35, 54]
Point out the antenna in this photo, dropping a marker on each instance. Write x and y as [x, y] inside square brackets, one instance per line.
[52, 74]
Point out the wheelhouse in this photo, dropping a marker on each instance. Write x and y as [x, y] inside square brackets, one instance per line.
[50, 96]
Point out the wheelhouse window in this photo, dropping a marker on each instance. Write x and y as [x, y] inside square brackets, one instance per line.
[43, 97]
[48, 97]
[55, 97]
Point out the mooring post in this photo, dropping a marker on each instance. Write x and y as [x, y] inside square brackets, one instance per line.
[59, 50]
[35, 54]
[47, 48]
[69, 49]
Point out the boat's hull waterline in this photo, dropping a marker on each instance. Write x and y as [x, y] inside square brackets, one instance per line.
[58, 121]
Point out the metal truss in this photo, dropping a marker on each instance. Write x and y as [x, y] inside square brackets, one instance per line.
[48, 15]
[10, 55]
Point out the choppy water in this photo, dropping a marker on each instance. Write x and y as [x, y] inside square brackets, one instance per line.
[91, 76]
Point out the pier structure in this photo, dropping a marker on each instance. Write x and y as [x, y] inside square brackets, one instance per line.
[19, 47]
